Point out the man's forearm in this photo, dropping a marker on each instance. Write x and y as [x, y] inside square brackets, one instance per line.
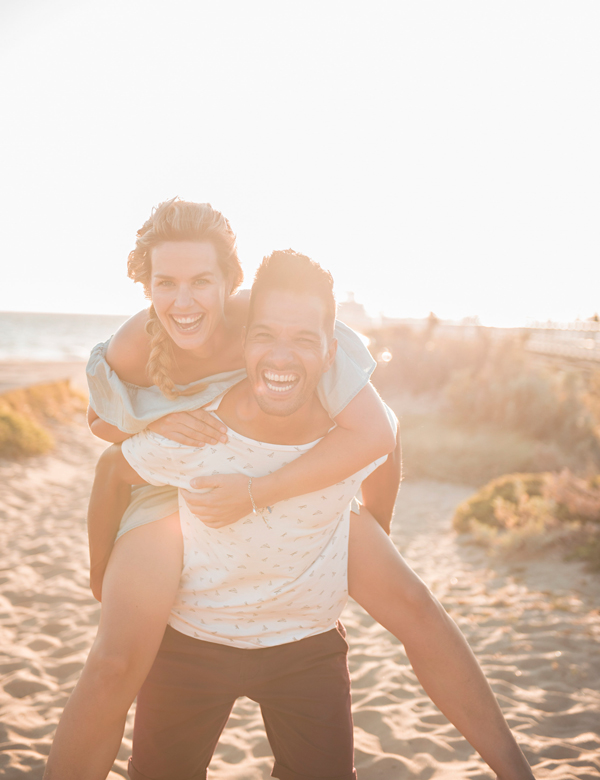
[380, 489]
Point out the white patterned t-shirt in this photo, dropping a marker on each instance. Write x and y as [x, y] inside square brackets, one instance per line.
[266, 579]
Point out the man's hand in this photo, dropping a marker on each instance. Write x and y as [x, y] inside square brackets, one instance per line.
[195, 428]
[225, 501]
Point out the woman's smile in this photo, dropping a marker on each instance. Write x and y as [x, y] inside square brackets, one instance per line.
[188, 323]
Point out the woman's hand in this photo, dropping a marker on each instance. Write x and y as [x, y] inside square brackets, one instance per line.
[195, 428]
[225, 500]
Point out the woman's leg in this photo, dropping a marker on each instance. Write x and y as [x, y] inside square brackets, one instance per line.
[387, 588]
[138, 591]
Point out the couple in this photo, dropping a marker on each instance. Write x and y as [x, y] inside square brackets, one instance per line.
[252, 606]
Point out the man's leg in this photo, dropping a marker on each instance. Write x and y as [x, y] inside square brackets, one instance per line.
[183, 707]
[303, 689]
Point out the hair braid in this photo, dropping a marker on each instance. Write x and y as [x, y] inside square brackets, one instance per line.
[160, 362]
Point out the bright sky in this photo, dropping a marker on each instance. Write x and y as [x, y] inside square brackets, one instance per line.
[435, 156]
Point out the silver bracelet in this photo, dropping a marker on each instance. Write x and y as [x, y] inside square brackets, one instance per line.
[256, 511]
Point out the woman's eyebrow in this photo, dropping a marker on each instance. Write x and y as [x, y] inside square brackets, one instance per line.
[203, 275]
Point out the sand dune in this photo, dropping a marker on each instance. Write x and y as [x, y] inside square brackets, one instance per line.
[534, 626]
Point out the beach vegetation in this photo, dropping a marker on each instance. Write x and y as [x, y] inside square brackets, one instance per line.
[27, 414]
[532, 513]
[493, 407]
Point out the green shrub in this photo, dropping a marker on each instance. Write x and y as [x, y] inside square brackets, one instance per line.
[510, 488]
[21, 436]
[25, 412]
[533, 512]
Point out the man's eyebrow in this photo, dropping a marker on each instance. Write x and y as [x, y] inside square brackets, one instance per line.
[308, 332]
[266, 326]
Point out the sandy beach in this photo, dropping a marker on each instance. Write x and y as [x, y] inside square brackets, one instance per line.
[534, 626]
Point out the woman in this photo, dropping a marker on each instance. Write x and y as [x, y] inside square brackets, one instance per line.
[188, 345]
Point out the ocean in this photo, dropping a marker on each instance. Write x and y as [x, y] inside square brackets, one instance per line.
[53, 337]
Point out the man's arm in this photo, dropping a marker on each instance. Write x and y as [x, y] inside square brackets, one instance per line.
[380, 489]
[109, 498]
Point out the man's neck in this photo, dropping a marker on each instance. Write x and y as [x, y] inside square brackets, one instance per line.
[240, 411]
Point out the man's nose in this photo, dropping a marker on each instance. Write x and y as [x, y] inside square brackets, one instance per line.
[280, 353]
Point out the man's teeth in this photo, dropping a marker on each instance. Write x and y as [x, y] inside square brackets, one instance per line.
[284, 381]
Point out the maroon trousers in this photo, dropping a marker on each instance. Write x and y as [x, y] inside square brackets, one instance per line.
[303, 689]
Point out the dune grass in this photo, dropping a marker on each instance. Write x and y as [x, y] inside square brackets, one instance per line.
[533, 513]
[25, 415]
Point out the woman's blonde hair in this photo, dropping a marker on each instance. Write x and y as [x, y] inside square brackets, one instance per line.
[178, 220]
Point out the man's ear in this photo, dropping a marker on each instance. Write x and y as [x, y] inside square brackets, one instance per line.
[243, 337]
[331, 353]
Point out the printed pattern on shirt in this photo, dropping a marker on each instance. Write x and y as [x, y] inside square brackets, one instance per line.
[267, 579]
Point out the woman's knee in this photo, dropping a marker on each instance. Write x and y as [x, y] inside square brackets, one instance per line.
[109, 669]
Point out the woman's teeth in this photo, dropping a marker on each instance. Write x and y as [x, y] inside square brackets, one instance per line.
[280, 382]
[187, 323]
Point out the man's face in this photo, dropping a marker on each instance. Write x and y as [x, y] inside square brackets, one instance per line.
[287, 349]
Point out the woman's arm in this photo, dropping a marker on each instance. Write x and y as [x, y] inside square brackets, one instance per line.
[104, 430]
[363, 434]
[127, 355]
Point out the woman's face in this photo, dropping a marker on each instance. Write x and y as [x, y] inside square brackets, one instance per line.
[189, 291]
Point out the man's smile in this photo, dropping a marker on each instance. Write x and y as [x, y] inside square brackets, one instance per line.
[280, 382]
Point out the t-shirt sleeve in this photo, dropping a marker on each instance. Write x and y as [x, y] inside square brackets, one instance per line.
[158, 460]
[350, 372]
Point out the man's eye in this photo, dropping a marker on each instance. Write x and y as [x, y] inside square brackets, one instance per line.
[164, 283]
[201, 282]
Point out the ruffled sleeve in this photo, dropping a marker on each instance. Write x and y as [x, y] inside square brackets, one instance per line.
[132, 408]
[350, 372]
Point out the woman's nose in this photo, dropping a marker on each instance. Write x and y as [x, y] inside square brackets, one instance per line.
[184, 297]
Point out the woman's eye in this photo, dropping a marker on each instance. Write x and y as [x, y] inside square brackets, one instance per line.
[164, 283]
[201, 282]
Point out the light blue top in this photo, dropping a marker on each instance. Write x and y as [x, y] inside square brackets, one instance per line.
[132, 408]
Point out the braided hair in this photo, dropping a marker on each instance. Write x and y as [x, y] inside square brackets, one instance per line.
[178, 220]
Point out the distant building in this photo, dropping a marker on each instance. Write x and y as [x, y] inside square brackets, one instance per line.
[354, 315]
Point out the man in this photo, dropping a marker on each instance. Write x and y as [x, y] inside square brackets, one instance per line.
[258, 601]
